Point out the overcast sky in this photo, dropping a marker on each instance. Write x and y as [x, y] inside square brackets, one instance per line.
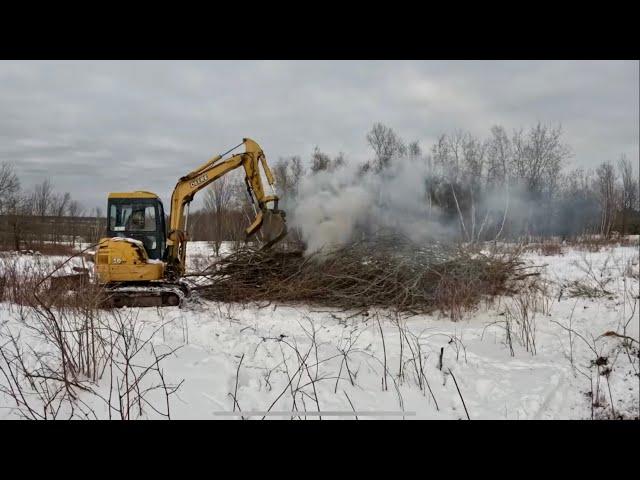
[100, 126]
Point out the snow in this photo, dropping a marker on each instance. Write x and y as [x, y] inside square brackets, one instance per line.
[128, 240]
[261, 346]
[39, 263]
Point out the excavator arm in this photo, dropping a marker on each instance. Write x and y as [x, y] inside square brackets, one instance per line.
[204, 175]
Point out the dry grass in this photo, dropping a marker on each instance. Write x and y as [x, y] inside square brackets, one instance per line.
[586, 289]
[590, 243]
[547, 248]
[596, 243]
[44, 249]
[550, 248]
[39, 281]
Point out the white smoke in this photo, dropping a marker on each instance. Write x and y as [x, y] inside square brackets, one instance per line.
[335, 207]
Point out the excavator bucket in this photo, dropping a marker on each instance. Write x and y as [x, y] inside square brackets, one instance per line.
[272, 226]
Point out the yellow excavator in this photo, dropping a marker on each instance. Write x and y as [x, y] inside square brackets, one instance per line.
[140, 263]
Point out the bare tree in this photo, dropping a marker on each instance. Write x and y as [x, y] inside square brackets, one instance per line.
[42, 198]
[9, 198]
[75, 210]
[447, 155]
[97, 230]
[459, 160]
[440, 154]
[578, 208]
[538, 156]
[9, 185]
[58, 208]
[537, 161]
[338, 161]
[60, 204]
[17, 208]
[499, 156]
[288, 172]
[473, 159]
[629, 193]
[386, 144]
[606, 189]
[297, 170]
[281, 173]
[414, 150]
[216, 203]
[319, 161]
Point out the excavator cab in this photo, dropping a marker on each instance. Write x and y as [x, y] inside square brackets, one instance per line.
[140, 216]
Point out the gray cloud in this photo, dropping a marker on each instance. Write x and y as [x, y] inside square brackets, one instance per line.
[100, 126]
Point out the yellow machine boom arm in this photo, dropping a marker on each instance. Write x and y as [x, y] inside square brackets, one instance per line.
[204, 175]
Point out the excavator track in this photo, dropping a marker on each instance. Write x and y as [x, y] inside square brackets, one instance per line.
[160, 294]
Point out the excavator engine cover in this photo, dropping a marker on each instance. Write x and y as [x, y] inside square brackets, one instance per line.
[125, 260]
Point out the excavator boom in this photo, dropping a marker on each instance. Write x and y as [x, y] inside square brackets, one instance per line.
[251, 159]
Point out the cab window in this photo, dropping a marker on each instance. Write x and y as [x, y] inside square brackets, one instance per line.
[132, 218]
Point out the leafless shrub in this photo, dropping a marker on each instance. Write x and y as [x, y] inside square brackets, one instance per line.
[507, 325]
[602, 365]
[522, 314]
[306, 370]
[592, 285]
[136, 379]
[418, 360]
[38, 389]
[72, 342]
[584, 289]
[302, 382]
[632, 269]
[62, 374]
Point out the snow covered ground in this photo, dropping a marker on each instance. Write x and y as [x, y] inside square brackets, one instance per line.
[242, 360]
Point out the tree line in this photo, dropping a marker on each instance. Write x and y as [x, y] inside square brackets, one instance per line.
[35, 218]
[505, 185]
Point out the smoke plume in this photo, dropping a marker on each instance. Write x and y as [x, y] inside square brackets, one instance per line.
[338, 206]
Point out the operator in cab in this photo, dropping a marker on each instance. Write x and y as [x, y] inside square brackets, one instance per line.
[136, 220]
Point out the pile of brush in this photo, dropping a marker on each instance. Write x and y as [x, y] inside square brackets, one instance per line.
[384, 272]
